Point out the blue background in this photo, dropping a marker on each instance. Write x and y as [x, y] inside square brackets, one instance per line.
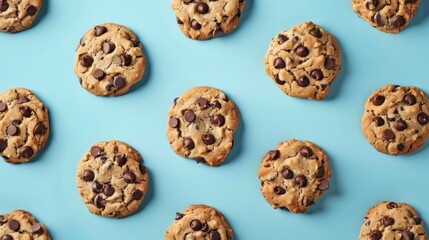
[42, 60]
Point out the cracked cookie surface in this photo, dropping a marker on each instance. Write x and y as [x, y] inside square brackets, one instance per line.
[24, 124]
[395, 120]
[294, 175]
[201, 125]
[205, 19]
[390, 220]
[18, 15]
[303, 61]
[390, 16]
[21, 225]
[109, 60]
[111, 180]
[199, 222]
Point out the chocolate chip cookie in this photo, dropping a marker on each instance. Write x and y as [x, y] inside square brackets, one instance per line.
[201, 125]
[303, 61]
[205, 19]
[294, 175]
[389, 220]
[109, 60]
[111, 180]
[18, 15]
[24, 121]
[199, 222]
[390, 16]
[396, 119]
[19, 224]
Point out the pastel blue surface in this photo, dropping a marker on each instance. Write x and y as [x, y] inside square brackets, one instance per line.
[42, 60]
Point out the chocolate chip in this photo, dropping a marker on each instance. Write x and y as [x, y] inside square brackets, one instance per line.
[392, 205]
[303, 81]
[6, 236]
[282, 38]
[99, 202]
[189, 116]
[14, 225]
[400, 125]
[196, 225]
[203, 103]
[37, 228]
[301, 181]
[388, 134]
[143, 169]
[217, 32]
[214, 235]
[23, 99]
[378, 100]
[216, 104]
[209, 139]
[200, 160]
[179, 216]
[12, 130]
[400, 147]
[202, 8]
[108, 47]
[279, 190]
[379, 121]
[137, 194]
[108, 190]
[3, 7]
[279, 63]
[97, 187]
[99, 74]
[375, 235]
[423, 119]
[39, 129]
[3, 144]
[100, 30]
[308, 201]
[329, 63]
[26, 152]
[317, 74]
[95, 151]
[189, 143]
[31, 10]
[410, 99]
[195, 24]
[287, 173]
[378, 19]
[279, 81]
[407, 235]
[306, 152]
[86, 60]
[174, 122]
[125, 59]
[387, 221]
[119, 82]
[301, 51]
[274, 154]
[316, 32]
[3, 107]
[205, 227]
[398, 21]
[129, 177]
[25, 111]
[88, 175]
[323, 185]
[320, 172]
[218, 120]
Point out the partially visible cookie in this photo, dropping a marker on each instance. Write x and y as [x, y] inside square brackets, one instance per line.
[390, 16]
[201, 125]
[205, 19]
[19, 224]
[109, 60]
[396, 119]
[199, 222]
[111, 180]
[303, 61]
[294, 175]
[18, 15]
[24, 124]
[389, 220]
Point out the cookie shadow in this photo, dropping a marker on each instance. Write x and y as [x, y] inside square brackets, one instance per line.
[422, 13]
[339, 81]
[146, 75]
[237, 147]
[149, 194]
[42, 13]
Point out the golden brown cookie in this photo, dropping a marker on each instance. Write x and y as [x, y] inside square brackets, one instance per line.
[18, 15]
[21, 225]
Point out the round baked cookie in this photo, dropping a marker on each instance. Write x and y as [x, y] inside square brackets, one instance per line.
[18, 15]
[389, 220]
[303, 61]
[19, 224]
[205, 19]
[201, 125]
[111, 180]
[390, 16]
[24, 121]
[199, 222]
[395, 120]
[109, 60]
[294, 175]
